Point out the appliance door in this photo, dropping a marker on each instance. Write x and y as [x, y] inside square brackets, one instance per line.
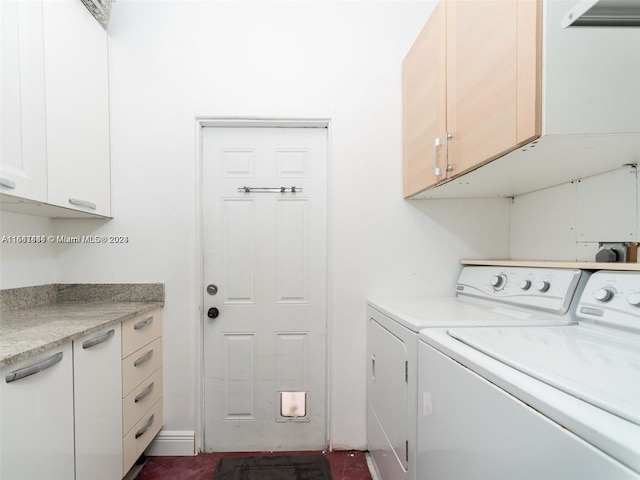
[387, 402]
[470, 428]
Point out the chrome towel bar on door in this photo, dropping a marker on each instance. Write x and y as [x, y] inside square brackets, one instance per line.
[269, 189]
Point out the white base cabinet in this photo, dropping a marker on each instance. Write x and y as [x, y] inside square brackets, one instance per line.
[36, 417]
[98, 405]
[141, 384]
[86, 410]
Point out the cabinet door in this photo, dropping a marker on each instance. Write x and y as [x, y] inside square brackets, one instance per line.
[23, 159]
[76, 69]
[36, 418]
[424, 106]
[98, 405]
[492, 79]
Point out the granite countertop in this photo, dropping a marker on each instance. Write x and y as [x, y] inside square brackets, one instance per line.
[36, 319]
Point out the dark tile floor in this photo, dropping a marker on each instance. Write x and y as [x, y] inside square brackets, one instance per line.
[345, 465]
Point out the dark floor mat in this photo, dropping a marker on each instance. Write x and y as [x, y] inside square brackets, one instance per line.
[273, 467]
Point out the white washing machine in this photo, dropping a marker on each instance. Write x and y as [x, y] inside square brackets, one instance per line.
[484, 296]
[529, 403]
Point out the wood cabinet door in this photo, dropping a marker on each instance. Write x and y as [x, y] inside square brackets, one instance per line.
[424, 105]
[492, 75]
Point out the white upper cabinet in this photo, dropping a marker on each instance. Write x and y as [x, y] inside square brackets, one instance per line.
[55, 110]
[77, 90]
[23, 154]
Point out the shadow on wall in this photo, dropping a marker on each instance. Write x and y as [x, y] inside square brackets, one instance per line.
[482, 224]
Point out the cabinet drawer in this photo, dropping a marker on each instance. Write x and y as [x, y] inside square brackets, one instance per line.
[140, 365]
[140, 436]
[141, 330]
[140, 400]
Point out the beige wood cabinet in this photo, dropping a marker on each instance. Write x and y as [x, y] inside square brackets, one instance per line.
[141, 384]
[425, 104]
[529, 104]
[471, 88]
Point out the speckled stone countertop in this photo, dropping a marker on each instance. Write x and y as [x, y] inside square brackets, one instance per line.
[36, 319]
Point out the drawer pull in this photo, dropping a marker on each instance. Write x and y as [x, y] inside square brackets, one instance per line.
[144, 429]
[78, 202]
[146, 357]
[7, 183]
[142, 395]
[38, 367]
[144, 323]
[436, 144]
[98, 340]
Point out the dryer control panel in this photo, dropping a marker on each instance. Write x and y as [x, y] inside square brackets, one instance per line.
[546, 289]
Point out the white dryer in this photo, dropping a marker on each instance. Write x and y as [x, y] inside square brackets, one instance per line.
[557, 402]
[484, 296]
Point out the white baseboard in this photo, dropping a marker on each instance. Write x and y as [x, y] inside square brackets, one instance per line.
[173, 443]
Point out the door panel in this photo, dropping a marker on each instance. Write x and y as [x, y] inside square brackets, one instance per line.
[481, 83]
[265, 354]
[388, 395]
[424, 106]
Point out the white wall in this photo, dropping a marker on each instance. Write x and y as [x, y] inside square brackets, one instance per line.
[174, 60]
[26, 264]
[568, 222]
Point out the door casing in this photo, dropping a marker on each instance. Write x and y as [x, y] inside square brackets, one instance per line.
[202, 122]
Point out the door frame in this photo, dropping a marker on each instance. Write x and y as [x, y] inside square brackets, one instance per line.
[202, 122]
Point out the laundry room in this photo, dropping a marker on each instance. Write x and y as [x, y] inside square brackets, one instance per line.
[133, 177]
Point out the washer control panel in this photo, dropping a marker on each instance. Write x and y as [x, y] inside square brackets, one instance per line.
[612, 298]
[547, 289]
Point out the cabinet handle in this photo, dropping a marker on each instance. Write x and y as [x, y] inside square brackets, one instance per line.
[141, 396]
[144, 429]
[146, 357]
[38, 367]
[373, 368]
[436, 143]
[83, 203]
[98, 340]
[7, 182]
[143, 324]
[449, 166]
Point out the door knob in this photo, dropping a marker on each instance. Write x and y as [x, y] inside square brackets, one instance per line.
[213, 312]
[212, 289]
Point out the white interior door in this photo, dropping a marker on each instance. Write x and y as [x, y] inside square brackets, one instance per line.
[266, 252]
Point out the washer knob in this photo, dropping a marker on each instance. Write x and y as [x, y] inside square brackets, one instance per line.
[525, 284]
[634, 299]
[603, 294]
[498, 281]
[543, 286]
